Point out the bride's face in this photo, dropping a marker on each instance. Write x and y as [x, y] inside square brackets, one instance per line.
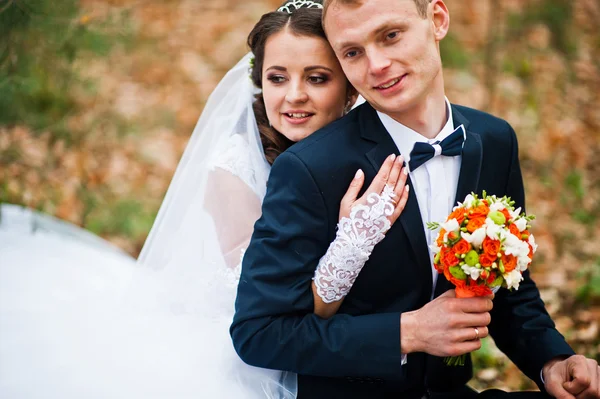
[304, 87]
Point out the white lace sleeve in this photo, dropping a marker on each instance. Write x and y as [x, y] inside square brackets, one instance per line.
[356, 237]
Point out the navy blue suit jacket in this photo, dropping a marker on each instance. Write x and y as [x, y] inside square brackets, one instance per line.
[356, 353]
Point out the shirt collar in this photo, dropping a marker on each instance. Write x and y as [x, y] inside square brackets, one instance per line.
[405, 138]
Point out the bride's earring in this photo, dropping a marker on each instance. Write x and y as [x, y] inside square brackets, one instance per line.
[348, 106]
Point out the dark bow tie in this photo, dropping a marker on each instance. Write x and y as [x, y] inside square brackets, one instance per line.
[451, 146]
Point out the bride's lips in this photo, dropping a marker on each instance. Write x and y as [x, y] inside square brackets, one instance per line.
[296, 117]
[391, 86]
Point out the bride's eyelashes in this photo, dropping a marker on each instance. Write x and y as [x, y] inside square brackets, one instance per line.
[276, 79]
[317, 79]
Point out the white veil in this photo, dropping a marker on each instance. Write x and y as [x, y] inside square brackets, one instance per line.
[181, 270]
[228, 112]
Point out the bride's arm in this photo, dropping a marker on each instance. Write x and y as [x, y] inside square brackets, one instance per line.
[234, 208]
[363, 223]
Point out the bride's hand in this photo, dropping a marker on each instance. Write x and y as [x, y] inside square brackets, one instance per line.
[392, 173]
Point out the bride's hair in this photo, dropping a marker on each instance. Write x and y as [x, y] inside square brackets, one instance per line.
[302, 22]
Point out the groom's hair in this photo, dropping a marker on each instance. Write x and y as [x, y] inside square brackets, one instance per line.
[421, 5]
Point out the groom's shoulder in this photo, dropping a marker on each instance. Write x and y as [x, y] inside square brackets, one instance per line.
[482, 122]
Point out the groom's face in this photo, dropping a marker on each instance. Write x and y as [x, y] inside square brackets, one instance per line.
[388, 51]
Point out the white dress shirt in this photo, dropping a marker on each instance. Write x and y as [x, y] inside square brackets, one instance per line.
[435, 182]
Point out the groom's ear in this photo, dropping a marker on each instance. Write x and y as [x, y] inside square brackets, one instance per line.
[440, 19]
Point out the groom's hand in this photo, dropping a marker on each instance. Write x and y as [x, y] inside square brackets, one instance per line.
[573, 377]
[446, 326]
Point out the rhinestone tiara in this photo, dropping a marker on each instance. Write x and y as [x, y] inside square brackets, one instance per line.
[292, 6]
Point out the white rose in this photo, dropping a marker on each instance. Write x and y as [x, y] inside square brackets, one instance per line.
[497, 206]
[513, 279]
[479, 236]
[469, 200]
[523, 263]
[521, 224]
[515, 214]
[473, 272]
[450, 225]
[532, 243]
[493, 230]
[514, 246]
[475, 239]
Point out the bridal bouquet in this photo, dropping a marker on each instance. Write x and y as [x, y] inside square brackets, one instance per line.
[484, 244]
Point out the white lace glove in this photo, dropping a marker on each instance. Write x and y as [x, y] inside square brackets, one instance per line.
[356, 237]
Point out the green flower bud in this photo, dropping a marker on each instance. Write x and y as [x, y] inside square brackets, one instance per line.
[497, 217]
[437, 257]
[472, 258]
[501, 266]
[497, 282]
[457, 272]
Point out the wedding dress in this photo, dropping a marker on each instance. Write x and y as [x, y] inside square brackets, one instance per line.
[81, 319]
[64, 335]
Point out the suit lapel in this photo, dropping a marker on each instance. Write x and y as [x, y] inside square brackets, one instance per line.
[373, 130]
[472, 155]
[468, 181]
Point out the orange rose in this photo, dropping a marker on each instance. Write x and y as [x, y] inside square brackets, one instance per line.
[475, 223]
[457, 282]
[479, 211]
[440, 239]
[514, 230]
[458, 214]
[491, 278]
[439, 268]
[506, 214]
[484, 274]
[530, 254]
[486, 260]
[461, 247]
[472, 290]
[491, 247]
[510, 262]
[448, 259]
[452, 236]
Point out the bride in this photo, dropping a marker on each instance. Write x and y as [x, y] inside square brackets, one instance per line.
[81, 319]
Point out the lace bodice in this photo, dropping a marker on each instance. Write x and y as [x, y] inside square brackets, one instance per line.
[234, 156]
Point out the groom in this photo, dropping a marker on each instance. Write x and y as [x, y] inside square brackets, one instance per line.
[389, 336]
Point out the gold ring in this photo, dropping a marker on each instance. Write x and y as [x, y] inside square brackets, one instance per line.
[476, 333]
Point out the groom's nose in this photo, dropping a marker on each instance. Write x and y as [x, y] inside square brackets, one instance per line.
[378, 61]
